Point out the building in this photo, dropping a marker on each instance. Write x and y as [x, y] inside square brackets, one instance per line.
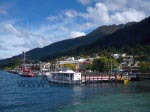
[80, 64]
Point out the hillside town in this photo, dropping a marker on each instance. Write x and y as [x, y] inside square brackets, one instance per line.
[116, 62]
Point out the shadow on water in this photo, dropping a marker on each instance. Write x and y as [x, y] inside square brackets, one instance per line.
[42, 82]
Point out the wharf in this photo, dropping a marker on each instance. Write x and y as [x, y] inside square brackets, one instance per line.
[103, 77]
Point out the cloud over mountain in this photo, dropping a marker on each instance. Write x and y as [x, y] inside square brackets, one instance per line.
[77, 34]
[48, 25]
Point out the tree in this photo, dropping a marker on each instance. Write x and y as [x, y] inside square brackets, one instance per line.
[72, 66]
[89, 67]
[104, 64]
[12, 64]
[145, 66]
[120, 59]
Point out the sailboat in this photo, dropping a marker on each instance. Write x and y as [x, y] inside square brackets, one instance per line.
[25, 72]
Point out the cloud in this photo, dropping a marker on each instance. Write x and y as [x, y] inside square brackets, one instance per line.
[64, 15]
[71, 13]
[122, 5]
[29, 39]
[104, 12]
[76, 34]
[2, 47]
[4, 9]
[11, 29]
[113, 5]
[141, 5]
[1, 41]
[54, 18]
[43, 42]
[3, 12]
[71, 23]
[16, 38]
[127, 16]
[63, 28]
[85, 2]
[101, 14]
[29, 44]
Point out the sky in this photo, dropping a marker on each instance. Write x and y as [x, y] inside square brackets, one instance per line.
[28, 24]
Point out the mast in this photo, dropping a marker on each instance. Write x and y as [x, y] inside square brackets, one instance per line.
[111, 66]
[26, 36]
[24, 59]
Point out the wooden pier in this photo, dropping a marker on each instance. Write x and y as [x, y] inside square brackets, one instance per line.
[101, 77]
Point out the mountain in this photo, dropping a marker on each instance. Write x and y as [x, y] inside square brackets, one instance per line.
[69, 44]
[66, 45]
[132, 38]
[123, 38]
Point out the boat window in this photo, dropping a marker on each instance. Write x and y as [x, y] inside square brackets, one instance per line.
[68, 75]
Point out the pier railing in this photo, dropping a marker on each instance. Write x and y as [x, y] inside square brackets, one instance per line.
[89, 77]
[143, 76]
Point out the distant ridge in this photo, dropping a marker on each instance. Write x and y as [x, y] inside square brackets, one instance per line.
[118, 37]
[65, 45]
[131, 38]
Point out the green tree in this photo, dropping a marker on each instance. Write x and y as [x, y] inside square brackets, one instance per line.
[72, 66]
[120, 59]
[89, 67]
[12, 64]
[104, 64]
[145, 66]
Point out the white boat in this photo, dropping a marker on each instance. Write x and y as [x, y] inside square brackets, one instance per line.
[45, 70]
[65, 77]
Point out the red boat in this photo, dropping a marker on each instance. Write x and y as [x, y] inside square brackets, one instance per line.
[27, 73]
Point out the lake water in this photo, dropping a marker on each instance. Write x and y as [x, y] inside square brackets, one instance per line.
[19, 94]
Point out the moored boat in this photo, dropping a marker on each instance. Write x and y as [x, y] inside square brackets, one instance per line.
[65, 77]
[133, 77]
[27, 75]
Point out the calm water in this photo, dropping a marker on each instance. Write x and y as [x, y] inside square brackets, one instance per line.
[18, 94]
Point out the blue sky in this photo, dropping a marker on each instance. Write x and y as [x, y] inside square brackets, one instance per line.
[43, 22]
